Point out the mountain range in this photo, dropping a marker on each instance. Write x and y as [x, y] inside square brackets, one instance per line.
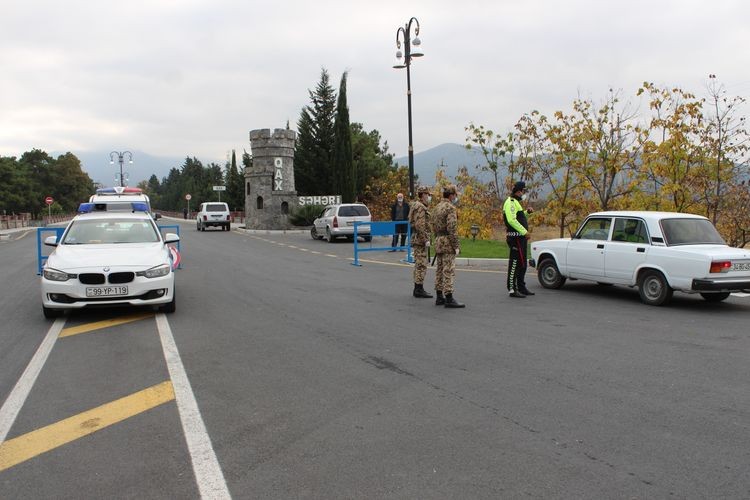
[97, 165]
[450, 157]
[447, 156]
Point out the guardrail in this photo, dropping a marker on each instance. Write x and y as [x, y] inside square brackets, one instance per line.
[382, 229]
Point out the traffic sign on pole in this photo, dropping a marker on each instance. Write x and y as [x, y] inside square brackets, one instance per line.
[49, 200]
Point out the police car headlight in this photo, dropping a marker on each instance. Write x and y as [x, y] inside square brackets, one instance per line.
[55, 275]
[155, 272]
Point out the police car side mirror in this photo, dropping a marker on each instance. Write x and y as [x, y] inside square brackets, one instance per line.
[171, 238]
[50, 241]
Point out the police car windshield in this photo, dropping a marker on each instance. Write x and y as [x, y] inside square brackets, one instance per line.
[110, 231]
[114, 206]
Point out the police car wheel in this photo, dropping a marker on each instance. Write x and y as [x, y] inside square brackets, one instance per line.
[50, 313]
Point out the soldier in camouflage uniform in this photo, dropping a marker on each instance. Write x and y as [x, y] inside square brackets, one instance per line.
[419, 219]
[445, 226]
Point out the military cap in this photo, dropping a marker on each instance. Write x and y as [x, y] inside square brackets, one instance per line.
[423, 190]
[449, 190]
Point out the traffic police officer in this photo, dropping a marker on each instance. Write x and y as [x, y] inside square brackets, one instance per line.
[517, 227]
[445, 225]
[419, 219]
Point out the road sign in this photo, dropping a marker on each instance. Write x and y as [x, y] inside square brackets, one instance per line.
[188, 197]
[220, 188]
[49, 200]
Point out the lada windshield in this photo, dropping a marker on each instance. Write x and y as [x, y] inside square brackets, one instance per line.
[110, 231]
[690, 232]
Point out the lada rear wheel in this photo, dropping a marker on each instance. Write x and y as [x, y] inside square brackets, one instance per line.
[715, 297]
[654, 289]
[549, 275]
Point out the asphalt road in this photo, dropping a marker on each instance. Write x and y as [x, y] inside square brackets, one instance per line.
[319, 379]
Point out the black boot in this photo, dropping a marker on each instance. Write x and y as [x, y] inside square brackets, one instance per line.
[451, 302]
[516, 294]
[440, 300]
[420, 292]
[525, 291]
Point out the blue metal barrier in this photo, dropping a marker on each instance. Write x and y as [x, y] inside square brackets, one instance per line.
[40, 258]
[172, 226]
[382, 229]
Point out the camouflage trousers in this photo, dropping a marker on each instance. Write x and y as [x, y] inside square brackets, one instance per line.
[445, 272]
[420, 263]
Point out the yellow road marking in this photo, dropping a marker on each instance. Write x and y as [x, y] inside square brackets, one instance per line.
[34, 443]
[98, 325]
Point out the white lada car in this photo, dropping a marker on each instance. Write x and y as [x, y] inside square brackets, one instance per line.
[107, 259]
[658, 252]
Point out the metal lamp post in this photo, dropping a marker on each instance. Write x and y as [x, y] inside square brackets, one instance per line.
[120, 159]
[411, 49]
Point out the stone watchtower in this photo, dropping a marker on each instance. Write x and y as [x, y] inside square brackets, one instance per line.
[269, 183]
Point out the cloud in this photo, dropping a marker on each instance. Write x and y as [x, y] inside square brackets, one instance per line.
[193, 77]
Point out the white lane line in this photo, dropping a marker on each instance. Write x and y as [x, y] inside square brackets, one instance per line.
[17, 397]
[208, 474]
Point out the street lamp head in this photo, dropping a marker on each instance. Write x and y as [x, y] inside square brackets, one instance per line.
[416, 49]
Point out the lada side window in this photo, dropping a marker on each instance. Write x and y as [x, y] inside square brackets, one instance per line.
[630, 231]
[595, 228]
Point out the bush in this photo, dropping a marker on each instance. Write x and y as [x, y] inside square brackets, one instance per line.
[305, 215]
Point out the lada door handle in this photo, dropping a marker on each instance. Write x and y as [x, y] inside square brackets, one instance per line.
[600, 245]
[640, 250]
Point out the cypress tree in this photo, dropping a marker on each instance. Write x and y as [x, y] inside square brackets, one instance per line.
[343, 178]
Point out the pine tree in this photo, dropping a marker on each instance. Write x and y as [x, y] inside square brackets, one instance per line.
[315, 129]
[343, 178]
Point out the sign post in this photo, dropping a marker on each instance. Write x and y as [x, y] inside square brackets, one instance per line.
[49, 201]
[220, 189]
[187, 197]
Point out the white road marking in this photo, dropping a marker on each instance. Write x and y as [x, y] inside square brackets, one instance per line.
[208, 474]
[17, 397]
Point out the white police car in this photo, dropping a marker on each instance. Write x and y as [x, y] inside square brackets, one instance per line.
[120, 199]
[108, 258]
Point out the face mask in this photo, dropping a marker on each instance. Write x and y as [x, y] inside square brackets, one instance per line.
[429, 199]
[455, 200]
[523, 197]
[400, 200]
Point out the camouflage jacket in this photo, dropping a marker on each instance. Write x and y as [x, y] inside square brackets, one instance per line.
[445, 227]
[419, 218]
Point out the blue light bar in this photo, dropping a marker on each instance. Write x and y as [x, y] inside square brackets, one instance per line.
[139, 206]
[86, 208]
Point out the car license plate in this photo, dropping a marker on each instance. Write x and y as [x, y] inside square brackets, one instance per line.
[741, 266]
[106, 291]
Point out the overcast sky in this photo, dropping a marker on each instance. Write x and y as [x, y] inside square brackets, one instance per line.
[192, 77]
